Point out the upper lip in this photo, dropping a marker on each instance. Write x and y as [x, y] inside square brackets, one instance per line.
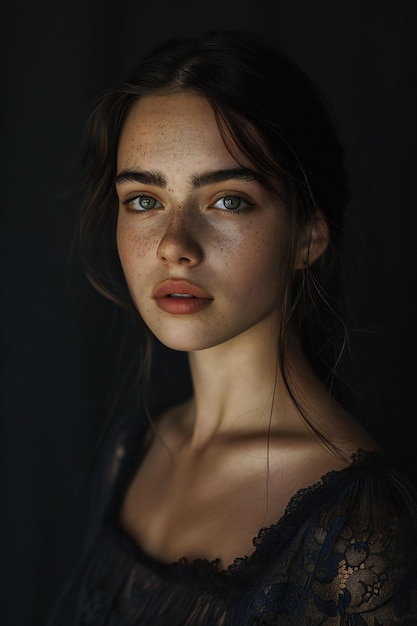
[171, 286]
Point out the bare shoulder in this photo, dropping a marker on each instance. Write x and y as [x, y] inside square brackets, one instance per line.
[325, 444]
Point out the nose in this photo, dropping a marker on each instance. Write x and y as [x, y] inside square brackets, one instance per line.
[180, 244]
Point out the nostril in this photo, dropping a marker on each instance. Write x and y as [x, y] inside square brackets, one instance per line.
[185, 250]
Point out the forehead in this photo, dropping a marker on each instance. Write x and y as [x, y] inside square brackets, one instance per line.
[177, 125]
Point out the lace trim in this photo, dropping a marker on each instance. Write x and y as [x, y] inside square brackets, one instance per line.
[296, 508]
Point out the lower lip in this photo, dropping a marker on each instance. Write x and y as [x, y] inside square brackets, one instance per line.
[182, 306]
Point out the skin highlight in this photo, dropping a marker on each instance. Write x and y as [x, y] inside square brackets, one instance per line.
[193, 236]
[224, 450]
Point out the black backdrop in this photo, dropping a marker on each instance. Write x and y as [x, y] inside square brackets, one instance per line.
[61, 342]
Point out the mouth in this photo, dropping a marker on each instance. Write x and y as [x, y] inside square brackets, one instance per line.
[180, 289]
[180, 297]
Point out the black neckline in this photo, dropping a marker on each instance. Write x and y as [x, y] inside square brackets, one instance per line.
[300, 507]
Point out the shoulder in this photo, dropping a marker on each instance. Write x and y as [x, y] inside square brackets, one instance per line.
[371, 486]
[366, 501]
[348, 546]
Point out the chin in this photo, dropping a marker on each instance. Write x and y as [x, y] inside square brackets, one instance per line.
[184, 345]
[187, 340]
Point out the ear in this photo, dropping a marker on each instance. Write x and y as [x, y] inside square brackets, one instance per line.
[313, 242]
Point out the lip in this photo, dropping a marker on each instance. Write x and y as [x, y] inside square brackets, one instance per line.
[168, 287]
[197, 298]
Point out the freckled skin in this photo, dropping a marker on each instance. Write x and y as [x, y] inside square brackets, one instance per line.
[224, 463]
[234, 257]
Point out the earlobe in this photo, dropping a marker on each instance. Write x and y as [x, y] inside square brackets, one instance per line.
[313, 242]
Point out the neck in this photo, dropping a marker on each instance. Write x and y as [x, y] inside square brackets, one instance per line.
[239, 388]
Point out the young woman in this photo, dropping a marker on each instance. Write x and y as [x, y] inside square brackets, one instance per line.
[215, 200]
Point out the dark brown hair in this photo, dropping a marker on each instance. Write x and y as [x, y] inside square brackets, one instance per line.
[268, 110]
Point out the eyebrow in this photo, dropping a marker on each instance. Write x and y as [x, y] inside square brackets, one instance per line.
[197, 180]
[140, 176]
[222, 176]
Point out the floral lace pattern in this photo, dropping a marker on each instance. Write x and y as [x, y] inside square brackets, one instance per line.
[344, 554]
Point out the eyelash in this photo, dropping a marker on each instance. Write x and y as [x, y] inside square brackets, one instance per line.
[246, 203]
[237, 211]
[139, 196]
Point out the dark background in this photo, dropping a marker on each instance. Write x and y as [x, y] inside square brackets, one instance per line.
[61, 342]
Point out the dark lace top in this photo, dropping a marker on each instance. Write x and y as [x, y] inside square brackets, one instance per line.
[344, 553]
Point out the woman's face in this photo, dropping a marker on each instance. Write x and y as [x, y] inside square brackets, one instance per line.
[201, 242]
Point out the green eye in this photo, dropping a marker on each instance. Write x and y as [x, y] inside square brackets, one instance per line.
[142, 203]
[231, 202]
[145, 203]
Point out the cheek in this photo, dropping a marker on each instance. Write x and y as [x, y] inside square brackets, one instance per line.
[125, 249]
[267, 264]
[262, 253]
[133, 251]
